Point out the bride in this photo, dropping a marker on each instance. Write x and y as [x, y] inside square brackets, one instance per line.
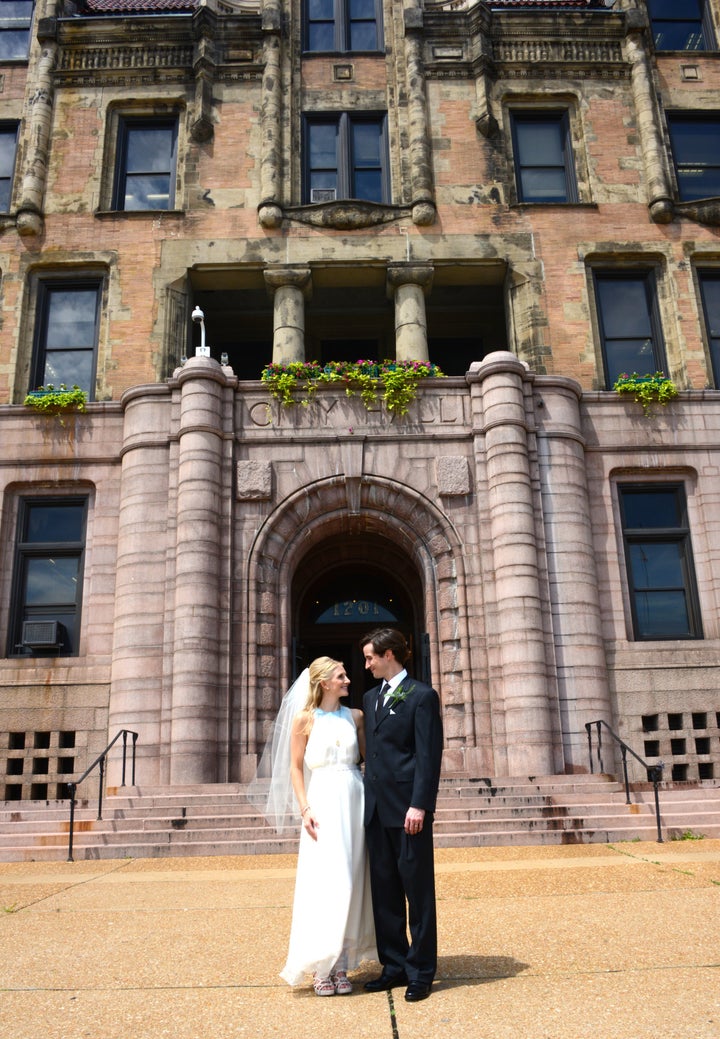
[315, 752]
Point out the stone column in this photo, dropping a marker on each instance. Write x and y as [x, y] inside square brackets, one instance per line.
[197, 637]
[139, 629]
[290, 287]
[651, 140]
[523, 695]
[423, 200]
[32, 193]
[584, 694]
[408, 284]
[269, 210]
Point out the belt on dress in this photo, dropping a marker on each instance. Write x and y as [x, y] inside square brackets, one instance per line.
[335, 768]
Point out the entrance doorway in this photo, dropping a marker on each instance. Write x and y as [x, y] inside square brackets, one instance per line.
[335, 608]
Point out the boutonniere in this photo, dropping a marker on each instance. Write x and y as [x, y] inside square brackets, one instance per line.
[398, 696]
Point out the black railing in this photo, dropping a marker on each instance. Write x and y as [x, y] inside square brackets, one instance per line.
[654, 772]
[99, 762]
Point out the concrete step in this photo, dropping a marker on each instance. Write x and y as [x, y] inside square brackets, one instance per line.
[216, 819]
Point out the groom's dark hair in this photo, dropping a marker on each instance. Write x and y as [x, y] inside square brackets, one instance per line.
[383, 639]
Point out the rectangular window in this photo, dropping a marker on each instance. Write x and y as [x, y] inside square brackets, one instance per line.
[146, 164]
[681, 25]
[658, 556]
[8, 144]
[695, 142]
[710, 292]
[629, 323]
[47, 581]
[345, 158]
[66, 334]
[343, 25]
[544, 167]
[15, 21]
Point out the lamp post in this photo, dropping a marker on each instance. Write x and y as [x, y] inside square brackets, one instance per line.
[199, 318]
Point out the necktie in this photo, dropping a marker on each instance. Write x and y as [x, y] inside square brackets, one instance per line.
[381, 696]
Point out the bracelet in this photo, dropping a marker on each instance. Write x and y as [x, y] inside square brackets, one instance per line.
[305, 809]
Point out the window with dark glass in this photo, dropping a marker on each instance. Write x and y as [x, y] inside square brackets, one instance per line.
[66, 334]
[15, 21]
[8, 143]
[544, 167]
[658, 557]
[146, 164]
[695, 142]
[681, 25]
[710, 293]
[47, 582]
[343, 25]
[629, 323]
[345, 158]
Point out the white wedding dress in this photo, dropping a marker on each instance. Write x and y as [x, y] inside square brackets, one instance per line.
[332, 922]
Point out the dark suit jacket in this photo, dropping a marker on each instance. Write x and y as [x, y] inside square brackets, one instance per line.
[403, 752]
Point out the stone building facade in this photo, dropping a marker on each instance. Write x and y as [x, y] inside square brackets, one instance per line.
[526, 194]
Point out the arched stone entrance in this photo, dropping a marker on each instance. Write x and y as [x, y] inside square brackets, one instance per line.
[345, 587]
[339, 527]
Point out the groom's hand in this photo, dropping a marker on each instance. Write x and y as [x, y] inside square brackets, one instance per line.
[414, 820]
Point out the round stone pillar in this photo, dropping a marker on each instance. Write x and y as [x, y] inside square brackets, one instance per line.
[583, 691]
[197, 641]
[139, 635]
[523, 695]
[408, 284]
[290, 286]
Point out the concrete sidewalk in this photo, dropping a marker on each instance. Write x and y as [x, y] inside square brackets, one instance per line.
[597, 941]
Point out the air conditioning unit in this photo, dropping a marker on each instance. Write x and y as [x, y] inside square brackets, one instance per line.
[42, 634]
[322, 194]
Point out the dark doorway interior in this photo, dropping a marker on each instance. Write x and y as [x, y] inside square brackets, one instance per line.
[337, 603]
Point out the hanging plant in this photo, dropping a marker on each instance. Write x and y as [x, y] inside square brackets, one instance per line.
[646, 389]
[394, 382]
[51, 401]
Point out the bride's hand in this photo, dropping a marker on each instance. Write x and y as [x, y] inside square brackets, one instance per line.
[311, 825]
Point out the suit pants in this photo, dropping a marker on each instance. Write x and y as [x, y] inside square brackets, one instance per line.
[402, 868]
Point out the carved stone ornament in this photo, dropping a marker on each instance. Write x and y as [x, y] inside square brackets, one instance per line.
[704, 211]
[346, 216]
[253, 481]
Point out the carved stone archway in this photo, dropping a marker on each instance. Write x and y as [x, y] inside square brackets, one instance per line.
[378, 508]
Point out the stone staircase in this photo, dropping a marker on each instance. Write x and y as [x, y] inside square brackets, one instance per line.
[217, 820]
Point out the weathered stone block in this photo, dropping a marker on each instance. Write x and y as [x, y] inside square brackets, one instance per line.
[253, 481]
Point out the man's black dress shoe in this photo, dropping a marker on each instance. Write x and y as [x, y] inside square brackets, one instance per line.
[385, 982]
[417, 990]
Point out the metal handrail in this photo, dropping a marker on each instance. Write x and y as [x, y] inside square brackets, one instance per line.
[100, 762]
[654, 772]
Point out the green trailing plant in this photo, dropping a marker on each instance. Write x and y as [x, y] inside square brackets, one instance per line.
[646, 389]
[52, 401]
[394, 382]
[688, 835]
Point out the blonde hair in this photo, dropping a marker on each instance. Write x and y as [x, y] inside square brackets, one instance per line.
[320, 670]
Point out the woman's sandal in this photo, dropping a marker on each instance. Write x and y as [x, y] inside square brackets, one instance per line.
[323, 986]
[340, 981]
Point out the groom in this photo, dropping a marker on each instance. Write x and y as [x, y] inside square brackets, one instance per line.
[404, 738]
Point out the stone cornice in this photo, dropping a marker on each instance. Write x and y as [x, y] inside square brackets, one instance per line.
[465, 44]
[158, 49]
